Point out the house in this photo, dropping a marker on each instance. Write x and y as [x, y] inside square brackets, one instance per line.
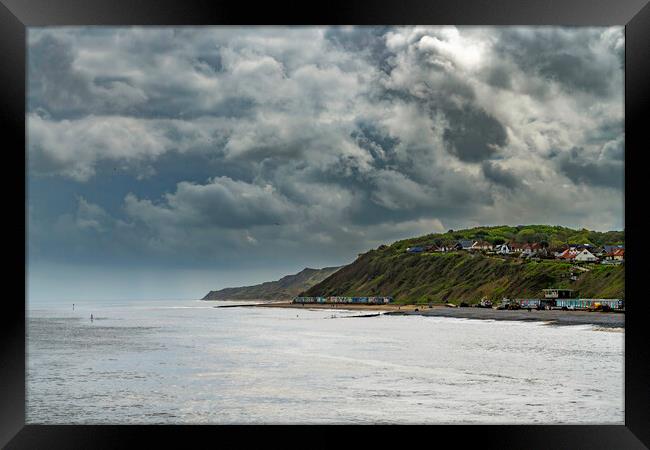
[559, 293]
[540, 249]
[503, 249]
[464, 244]
[443, 248]
[608, 249]
[617, 254]
[481, 245]
[516, 247]
[589, 247]
[569, 253]
[557, 251]
[530, 249]
[585, 256]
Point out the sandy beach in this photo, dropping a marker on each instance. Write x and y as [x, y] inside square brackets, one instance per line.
[555, 317]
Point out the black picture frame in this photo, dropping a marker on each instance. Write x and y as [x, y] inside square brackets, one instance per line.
[16, 15]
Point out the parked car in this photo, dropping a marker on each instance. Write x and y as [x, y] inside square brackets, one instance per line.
[600, 307]
[507, 304]
[485, 303]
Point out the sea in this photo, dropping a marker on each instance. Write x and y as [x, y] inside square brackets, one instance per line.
[190, 362]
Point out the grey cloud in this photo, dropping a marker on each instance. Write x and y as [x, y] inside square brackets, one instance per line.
[574, 71]
[57, 86]
[608, 131]
[74, 148]
[396, 191]
[499, 76]
[584, 167]
[499, 175]
[472, 134]
[53, 84]
[379, 143]
[569, 56]
[613, 150]
[365, 40]
[222, 202]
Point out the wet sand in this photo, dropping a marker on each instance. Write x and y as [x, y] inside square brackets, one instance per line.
[555, 317]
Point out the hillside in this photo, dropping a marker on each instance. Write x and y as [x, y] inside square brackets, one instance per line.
[283, 289]
[455, 276]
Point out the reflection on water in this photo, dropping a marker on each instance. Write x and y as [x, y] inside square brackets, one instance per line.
[187, 362]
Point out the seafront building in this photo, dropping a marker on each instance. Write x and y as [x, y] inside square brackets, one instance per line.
[559, 293]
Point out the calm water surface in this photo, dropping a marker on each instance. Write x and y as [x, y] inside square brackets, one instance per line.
[188, 362]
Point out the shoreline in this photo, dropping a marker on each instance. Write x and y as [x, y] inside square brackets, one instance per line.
[553, 317]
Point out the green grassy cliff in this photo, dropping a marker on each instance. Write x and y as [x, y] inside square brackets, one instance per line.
[461, 276]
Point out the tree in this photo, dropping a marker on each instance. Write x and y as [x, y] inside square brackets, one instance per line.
[526, 235]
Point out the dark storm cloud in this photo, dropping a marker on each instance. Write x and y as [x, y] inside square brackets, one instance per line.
[575, 72]
[66, 88]
[583, 167]
[499, 175]
[499, 76]
[472, 134]
[569, 56]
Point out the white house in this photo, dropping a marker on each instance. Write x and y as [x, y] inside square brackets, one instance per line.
[503, 249]
[585, 256]
[443, 248]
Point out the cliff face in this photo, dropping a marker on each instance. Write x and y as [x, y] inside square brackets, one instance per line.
[283, 289]
[459, 276]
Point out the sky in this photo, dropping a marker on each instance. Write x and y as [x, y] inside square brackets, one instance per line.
[166, 162]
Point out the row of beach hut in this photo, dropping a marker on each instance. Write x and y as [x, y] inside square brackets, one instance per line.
[346, 300]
